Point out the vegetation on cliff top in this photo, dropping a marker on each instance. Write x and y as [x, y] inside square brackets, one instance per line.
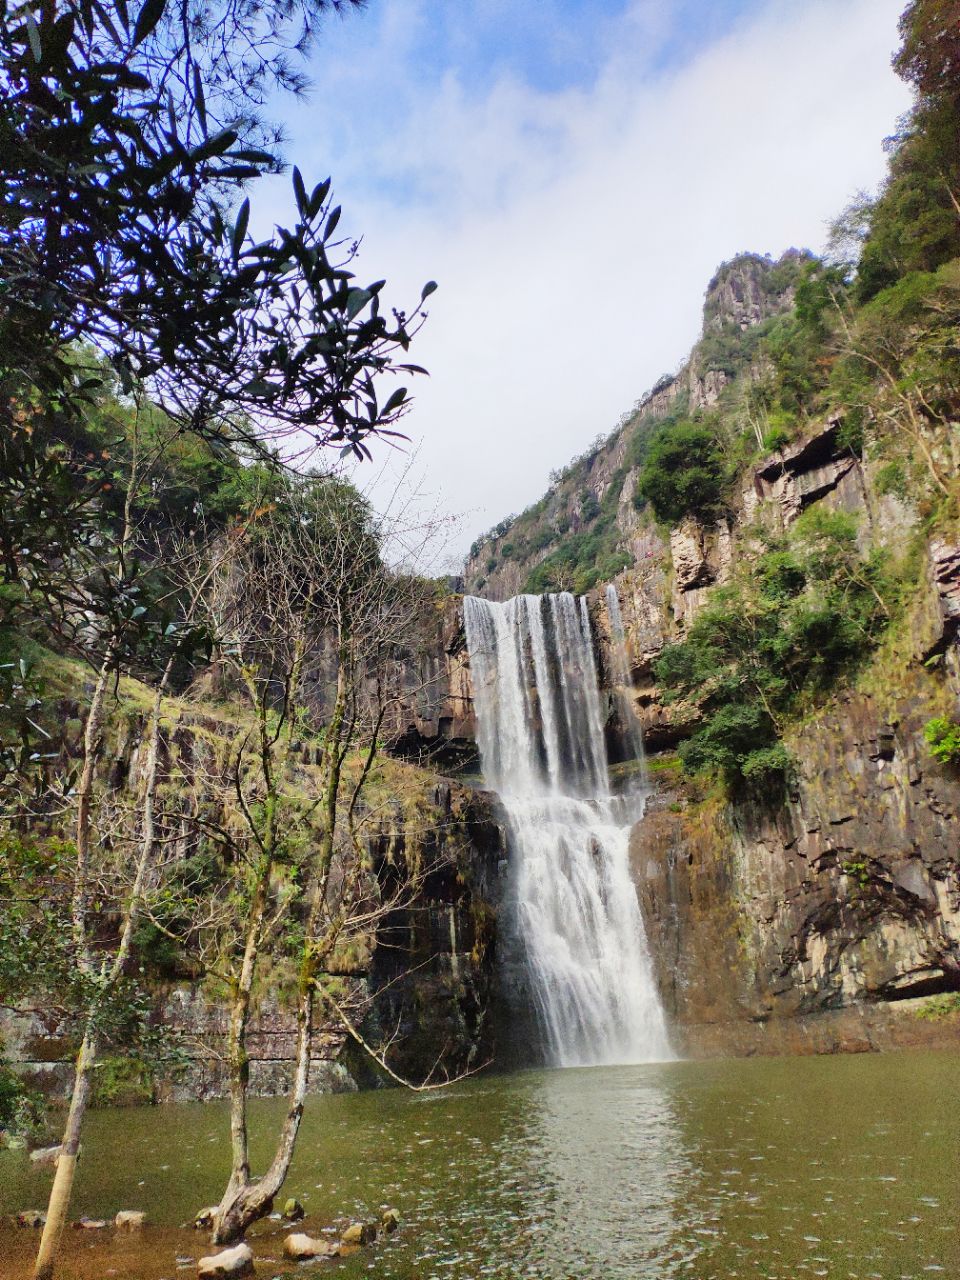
[874, 343]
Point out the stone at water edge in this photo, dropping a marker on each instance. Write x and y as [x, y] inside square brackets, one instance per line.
[360, 1233]
[390, 1220]
[293, 1210]
[205, 1218]
[31, 1218]
[300, 1245]
[89, 1224]
[130, 1219]
[45, 1155]
[230, 1263]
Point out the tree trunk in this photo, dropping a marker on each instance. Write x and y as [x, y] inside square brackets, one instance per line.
[60, 1194]
[243, 1205]
[244, 1201]
[59, 1203]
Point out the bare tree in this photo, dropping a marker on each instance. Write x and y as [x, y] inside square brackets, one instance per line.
[108, 630]
[311, 625]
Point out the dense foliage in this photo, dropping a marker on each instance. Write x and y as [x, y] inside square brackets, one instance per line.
[943, 738]
[683, 474]
[798, 618]
[915, 223]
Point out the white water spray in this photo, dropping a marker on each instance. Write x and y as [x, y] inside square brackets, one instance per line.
[540, 728]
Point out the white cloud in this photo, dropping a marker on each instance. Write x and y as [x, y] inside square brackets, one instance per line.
[573, 233]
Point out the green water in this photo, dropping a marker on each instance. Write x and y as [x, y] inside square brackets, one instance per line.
[777, 1168]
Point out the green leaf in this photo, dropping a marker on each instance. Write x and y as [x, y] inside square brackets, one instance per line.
[240, 227]
[199, 97]
[215, 146]
[149, 16]
[430, 287]
[395, 401]
[357, 299]
[332, 221]
[33, 35]
[317, 197]
[300, 192]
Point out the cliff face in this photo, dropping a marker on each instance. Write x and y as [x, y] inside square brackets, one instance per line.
[424, 976]
[829, 917]
[844, 902]
[825, 919]
[593, 496]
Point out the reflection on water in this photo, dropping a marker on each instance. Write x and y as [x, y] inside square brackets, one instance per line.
[606, 1169]
[783, 1169]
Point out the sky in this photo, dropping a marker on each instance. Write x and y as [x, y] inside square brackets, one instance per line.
[571, 173]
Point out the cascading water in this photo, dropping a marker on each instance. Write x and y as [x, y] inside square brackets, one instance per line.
[540, 728]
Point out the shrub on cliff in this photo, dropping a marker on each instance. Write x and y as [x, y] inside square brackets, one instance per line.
[683, 473]
[769, 644]
[943, 739]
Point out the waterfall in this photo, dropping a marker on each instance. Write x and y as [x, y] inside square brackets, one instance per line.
[573, 905]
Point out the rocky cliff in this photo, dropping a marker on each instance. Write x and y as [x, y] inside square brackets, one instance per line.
[826, 916]
[424, 978]
[592, 498]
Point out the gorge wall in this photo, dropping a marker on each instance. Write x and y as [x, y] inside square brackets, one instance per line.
[826, 918]
[423, 978]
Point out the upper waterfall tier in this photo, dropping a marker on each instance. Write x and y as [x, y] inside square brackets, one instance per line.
[539, 720]
[573, 906]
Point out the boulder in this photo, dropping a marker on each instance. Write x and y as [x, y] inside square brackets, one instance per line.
[237, 1261]
[31, 1218]
[130, 1219]
[299, 1245]
[389, 1220]
[293, 1210]
[45, 1155]
[359, 1233]
[205, 1217]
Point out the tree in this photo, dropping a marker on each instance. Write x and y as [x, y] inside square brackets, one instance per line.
[114, 232]
[111, 615]
[309, 621]
[929, 56]
[683, 473]
[899, 365]
[915, 222]
[125, 254]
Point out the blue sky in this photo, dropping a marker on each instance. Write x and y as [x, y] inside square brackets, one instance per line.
[549, 44]
[571, 174]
